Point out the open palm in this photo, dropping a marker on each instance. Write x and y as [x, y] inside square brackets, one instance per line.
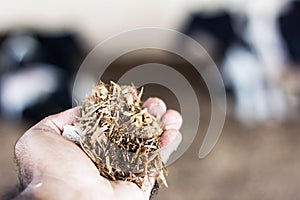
[52, 167]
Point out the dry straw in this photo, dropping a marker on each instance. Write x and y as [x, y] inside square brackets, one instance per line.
[120, 136]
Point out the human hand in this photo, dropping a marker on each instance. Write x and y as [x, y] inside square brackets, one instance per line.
[52, 167]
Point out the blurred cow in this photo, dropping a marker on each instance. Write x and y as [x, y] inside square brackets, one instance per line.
[256, 41]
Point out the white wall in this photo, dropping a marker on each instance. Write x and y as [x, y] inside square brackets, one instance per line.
[97, 20]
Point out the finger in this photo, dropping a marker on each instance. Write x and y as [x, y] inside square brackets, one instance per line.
[155, 106]
[168, 137]
[58, 121]
[169, 142]
[124, 187]
[171, 120]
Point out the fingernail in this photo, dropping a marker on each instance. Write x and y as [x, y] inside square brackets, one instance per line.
[156, 110]
[156, 107]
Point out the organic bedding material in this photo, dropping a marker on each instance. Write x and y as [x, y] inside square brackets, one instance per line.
[120, 136]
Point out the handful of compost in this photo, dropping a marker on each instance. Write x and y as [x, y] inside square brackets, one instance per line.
[119, 136]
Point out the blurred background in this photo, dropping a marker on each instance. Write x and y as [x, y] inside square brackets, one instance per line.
[255, 44]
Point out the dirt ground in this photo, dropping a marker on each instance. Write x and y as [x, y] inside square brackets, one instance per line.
[247, 163]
